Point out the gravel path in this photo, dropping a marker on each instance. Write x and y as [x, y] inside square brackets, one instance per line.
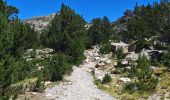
[79, 87]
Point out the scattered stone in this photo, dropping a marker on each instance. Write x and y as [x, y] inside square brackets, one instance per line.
[114, 71]
[48, 95]
[153, 68]
[33, 93]
[116, 46]
[47, 83]
[132, 56]
[125, 80]
[99, 74]
[100, 64]
[125, 62]
[108, 61]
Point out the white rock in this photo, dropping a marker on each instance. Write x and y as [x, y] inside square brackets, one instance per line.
[108, 61]
[29, 50]
[48, 95]
[100, 64]
[99, 78]
[124, 79]
[124, 62]
[47, 83]
[97, 58]
[115, 64]
[99, 74]
[33, 93]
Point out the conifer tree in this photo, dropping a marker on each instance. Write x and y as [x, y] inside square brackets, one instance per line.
[66, 29]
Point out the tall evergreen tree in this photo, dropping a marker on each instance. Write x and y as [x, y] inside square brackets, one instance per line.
[64, 31]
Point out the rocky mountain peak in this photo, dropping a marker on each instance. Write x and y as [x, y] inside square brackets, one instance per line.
[40, 22]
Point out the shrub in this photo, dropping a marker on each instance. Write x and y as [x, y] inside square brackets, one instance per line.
[166, 57]
[120, 54]
[132, 72]
[105, 48]
[119, 65]
[39, 85]
[106, 79]
[145, 80]
[58, 66]
[130, 87]
[33, 54]
[150, 84]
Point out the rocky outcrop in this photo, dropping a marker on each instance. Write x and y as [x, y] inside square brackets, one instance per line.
[40, 22]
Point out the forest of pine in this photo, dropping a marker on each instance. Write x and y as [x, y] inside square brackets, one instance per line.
[67, 35]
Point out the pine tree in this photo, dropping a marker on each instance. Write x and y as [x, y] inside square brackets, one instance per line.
[58, 66]
[64, 31]
[95, 30]
[106, 29]
[146, 80]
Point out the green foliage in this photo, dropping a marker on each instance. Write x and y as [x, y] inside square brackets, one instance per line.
[23, 69]
[39, 85]
[100, 31]
[133, 71]
[76, 51]
[57, 67]
[66, 34]
[106, 79]
[6, 70]
[15, 38]
[33, 54]
[7, 10]
[119, 65]
[166, 58]
[145, 79]
[25, 38]
[130, 87]
[105, 48]
[145, 22]
[119, 53]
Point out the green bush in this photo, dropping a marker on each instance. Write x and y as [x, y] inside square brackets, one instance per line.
[39, 85]
[166, 57]
[106, 79]
[149, 84]
[119, 65]
[56, 67]
[130, 87]
[33, 54]
[144, 76]
[105, 48]
[119, 54]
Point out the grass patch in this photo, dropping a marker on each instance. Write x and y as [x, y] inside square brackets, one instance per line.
[26, 81]
[165, 82]
[116, 90]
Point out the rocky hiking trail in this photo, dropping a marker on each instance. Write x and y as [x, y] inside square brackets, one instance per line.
[79, 86]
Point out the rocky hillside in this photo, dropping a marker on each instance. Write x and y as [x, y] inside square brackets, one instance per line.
[40, 22]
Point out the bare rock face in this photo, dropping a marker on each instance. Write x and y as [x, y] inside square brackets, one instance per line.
[40, 22]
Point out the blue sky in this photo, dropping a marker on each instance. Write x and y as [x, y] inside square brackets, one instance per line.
[87, 8]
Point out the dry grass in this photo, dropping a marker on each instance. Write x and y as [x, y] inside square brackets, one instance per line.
[165, 82]
[115, 88]
[26, 81]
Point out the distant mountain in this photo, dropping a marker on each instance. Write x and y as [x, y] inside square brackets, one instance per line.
[40, 22]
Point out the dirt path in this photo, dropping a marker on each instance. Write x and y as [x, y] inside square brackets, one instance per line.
[80, 86]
